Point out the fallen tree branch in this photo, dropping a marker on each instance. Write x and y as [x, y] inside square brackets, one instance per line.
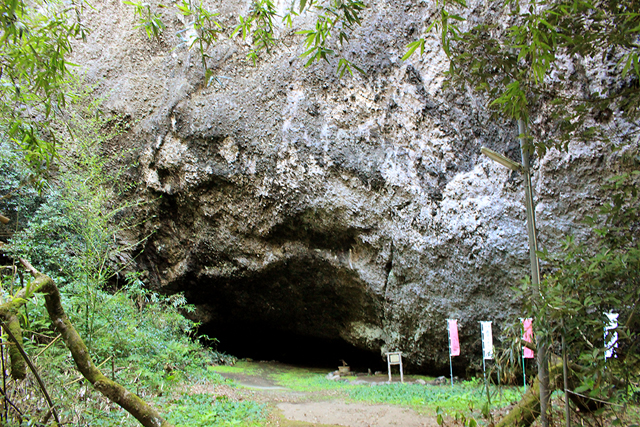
[528, 408]
[115, 392]
[82, 378]
[12, 327]
[594, 399]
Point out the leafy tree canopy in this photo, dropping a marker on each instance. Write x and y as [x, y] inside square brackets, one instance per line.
[568, 69]
[35, 41]
[538, 60]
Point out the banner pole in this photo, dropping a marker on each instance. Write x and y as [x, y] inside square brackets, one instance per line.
[487, 350]
[523, 348]
[486, 383]
[524, 375]
[450, 364]
[484, 372]
[450, 369]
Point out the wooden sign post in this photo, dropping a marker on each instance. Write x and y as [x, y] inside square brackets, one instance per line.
[394, 358]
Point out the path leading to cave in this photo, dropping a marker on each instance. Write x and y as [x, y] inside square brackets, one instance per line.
[293, 408]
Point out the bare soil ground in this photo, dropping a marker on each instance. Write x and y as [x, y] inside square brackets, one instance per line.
[319, 408]
[353, 414]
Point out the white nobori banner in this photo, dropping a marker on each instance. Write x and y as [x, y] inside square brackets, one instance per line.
[487, 340]
[612, 343]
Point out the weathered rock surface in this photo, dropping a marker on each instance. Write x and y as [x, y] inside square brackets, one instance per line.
[355, 208]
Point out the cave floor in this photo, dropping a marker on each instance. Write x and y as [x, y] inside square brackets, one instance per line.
[295, 399]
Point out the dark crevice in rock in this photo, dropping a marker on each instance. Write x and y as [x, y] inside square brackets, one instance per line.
[174, 214]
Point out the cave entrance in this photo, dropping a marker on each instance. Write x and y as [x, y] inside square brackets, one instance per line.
[259, 343]
[299, 312]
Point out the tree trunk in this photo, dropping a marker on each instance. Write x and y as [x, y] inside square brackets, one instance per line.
[18, 365]
[528, 409]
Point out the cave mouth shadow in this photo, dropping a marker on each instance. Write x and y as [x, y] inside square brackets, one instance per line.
[260, 343]
[298, 311]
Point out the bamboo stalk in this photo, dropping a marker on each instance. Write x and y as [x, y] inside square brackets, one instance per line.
[81, 378]
[7, 400]
[48, 345]
[4, 381]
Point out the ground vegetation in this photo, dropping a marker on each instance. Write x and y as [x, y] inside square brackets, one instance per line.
[126, 340]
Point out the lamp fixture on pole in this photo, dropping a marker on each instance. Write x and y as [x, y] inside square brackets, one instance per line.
[504, 161]
[543, 368]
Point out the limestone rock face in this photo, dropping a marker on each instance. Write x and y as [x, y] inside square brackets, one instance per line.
[355, 208]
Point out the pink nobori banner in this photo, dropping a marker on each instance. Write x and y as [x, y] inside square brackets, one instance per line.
[454, 343]
[527, 325]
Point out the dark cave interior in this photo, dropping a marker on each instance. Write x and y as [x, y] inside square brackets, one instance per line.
[262, 343]
[295, 312]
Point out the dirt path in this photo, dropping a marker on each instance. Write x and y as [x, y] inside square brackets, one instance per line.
[319, 408]
[353, 414]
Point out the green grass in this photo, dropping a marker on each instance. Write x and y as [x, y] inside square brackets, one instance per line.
[306, 381]
[203, 410]
[465, 396]
[241, 367]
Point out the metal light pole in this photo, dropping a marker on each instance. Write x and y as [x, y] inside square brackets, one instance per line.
[543, 367]
[543, 364]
